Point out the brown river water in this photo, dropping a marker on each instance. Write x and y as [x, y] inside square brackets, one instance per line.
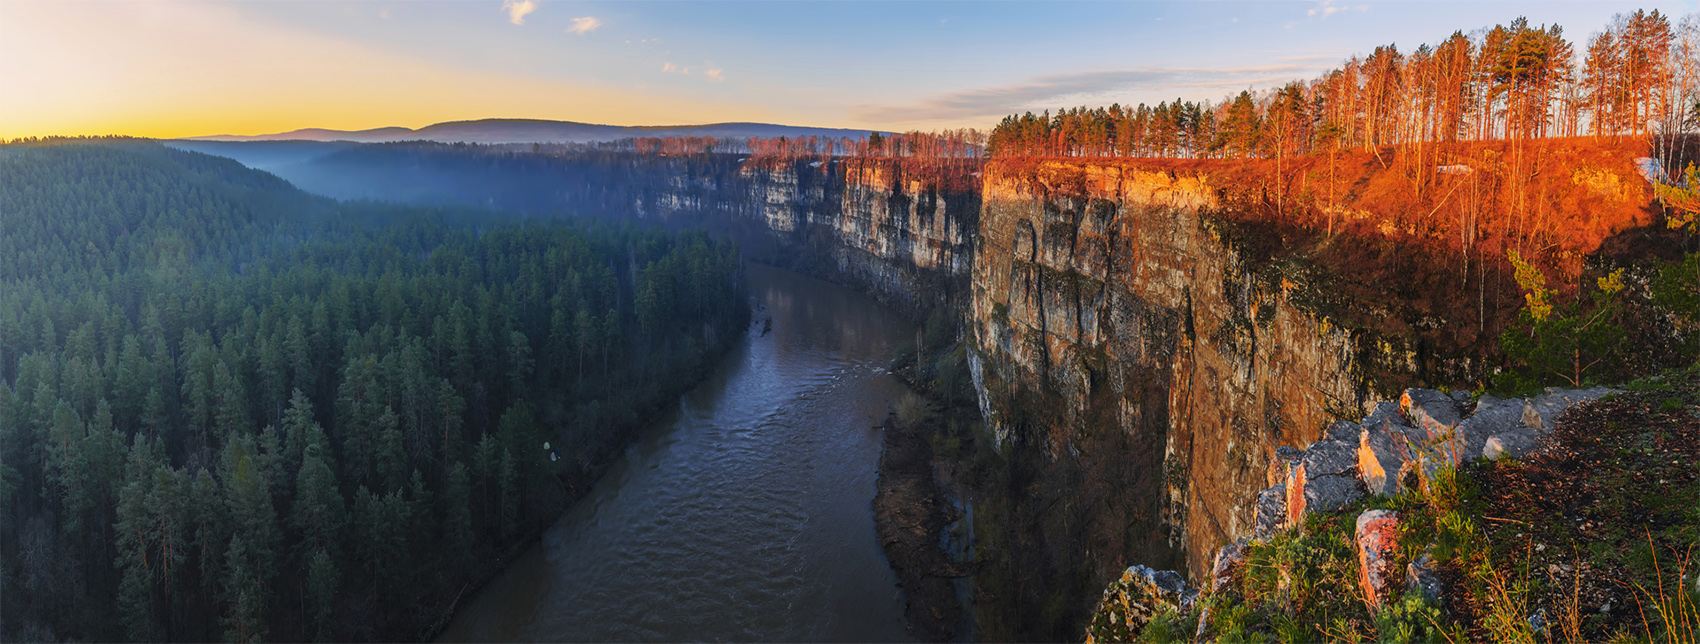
[743, 515]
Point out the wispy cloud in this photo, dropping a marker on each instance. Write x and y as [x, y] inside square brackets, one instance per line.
[1326, 8]
[674, 69]
[518, 10]
[1052, 91]
[584, 25]
[715, 74]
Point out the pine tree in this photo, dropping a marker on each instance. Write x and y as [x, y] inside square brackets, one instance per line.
[318, 513]
[391, 459]
[519, 365]
[322, 581]
[458, 531]
[244, 594]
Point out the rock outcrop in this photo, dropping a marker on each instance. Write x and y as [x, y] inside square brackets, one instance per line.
[1338, 463]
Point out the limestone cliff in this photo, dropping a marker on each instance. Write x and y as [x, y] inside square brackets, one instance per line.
[866, 221]
[1109, 299]
[862, 221]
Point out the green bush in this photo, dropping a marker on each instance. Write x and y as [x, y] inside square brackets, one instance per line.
[1412, 618]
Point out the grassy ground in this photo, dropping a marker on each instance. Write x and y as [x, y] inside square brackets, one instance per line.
[1593, 540]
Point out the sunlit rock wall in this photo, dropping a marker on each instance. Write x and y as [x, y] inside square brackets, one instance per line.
[1106, 299]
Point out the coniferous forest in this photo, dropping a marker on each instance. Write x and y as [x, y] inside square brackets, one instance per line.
[230, 410]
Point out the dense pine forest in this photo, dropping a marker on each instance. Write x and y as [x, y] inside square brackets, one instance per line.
[230, 410]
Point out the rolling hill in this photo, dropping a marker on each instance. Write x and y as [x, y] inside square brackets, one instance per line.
[537, 131]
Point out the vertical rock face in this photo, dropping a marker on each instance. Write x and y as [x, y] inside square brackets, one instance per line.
[865, 221]
[1106, 299]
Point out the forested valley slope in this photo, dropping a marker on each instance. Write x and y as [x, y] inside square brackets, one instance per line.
[233, 410]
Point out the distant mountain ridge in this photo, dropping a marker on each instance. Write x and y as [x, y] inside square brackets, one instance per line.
[538, 131]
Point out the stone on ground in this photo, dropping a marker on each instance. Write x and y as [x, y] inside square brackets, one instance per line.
[1377, 545]
[1343, 431]
[1493, 416]
[1324, 480]
[1420, 576]
[1541, 412]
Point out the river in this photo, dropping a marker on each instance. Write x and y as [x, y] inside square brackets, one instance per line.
[743, 515]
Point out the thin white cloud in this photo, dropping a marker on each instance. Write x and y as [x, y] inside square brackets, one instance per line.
[518, 10]
[715, 74]
[584, 25]
[1326, 8]
[1091, 87]
[674, 69]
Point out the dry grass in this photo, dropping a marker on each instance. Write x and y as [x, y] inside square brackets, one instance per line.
[912, 410]
[1674, 610]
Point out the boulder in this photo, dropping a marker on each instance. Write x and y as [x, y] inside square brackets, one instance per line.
[1516, 443]
[1320, 493]
[1330, 493]
[1541, 412]
[1343, 431]
[1385, 412]
[1420, 576]
[1377, 545]
[1271, 511]
[1493, 416]
[1383, 460]
[1432, 411]
[1324, 480]
[1130, 602]
[1328, 457]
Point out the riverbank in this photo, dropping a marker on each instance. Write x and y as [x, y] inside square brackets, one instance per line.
[911, 516]
[440, 604]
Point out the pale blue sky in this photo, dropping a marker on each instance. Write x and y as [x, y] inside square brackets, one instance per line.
[887, 65]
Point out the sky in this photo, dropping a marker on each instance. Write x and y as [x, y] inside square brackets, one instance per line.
[173, 68]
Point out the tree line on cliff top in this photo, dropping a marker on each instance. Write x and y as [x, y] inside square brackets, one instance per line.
[963, 143]
[1637, 76]
[232, 410]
